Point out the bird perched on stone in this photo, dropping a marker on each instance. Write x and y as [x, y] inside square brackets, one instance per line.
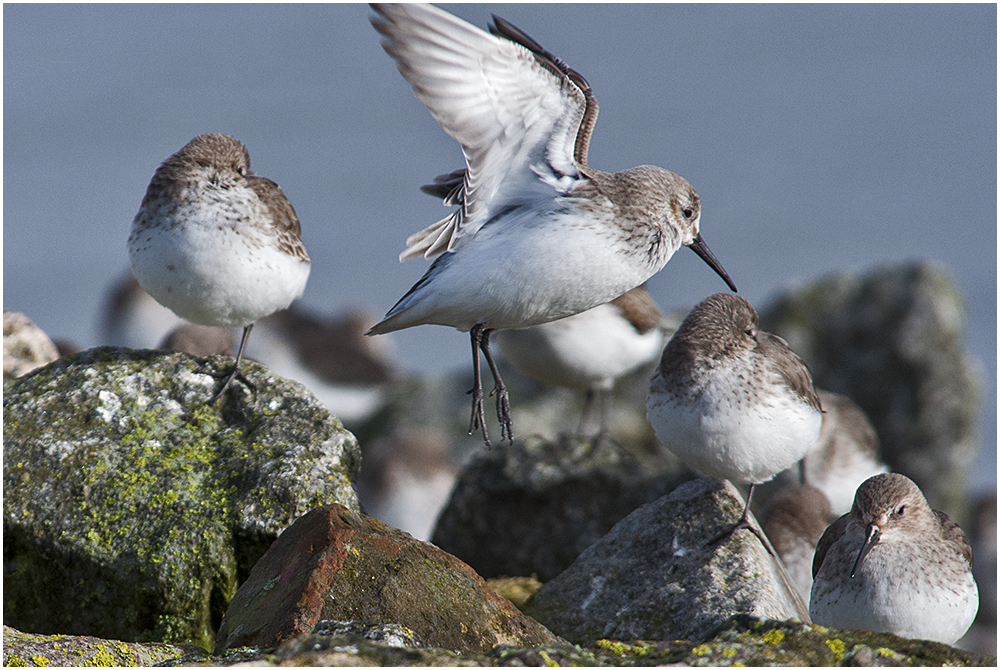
[730, 400]
[217, 244]
[894, 565]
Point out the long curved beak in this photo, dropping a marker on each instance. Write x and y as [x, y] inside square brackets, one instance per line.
[699, 247]
[871, 539]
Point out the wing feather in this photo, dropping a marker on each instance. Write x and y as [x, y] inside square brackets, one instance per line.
[510, 107]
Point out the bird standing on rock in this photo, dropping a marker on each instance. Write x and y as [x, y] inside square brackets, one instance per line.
[731, 401]
[216, 244]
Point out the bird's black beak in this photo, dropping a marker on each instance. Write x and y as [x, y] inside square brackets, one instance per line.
[871, 539]
[699, 247]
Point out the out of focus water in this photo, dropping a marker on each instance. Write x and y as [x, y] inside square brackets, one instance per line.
[820, 138]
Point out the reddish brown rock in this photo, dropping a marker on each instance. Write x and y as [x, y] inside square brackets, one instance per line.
[335, 564]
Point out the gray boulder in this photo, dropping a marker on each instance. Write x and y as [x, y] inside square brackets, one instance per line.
[132, 509]
[655, 576]
[532, 506]
[892, 341]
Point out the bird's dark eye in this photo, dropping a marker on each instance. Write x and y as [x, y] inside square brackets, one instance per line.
[750, 332]
[687, 212]
[900, 510]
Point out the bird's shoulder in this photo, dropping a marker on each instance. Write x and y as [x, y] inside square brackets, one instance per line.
[830, 536]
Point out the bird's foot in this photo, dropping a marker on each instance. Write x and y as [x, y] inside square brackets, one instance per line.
[744, 522]
[478, 419]
[503, 412]
[229, 376]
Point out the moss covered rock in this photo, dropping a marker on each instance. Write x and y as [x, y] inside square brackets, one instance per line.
[740, 641]
[132, 509]
[746, 641]
[336, 564]
[40, 651]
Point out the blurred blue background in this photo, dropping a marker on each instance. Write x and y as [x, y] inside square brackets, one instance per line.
[820, 138]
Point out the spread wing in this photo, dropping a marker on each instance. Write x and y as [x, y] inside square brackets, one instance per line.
[516, 110]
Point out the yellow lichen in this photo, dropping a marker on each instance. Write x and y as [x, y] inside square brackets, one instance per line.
[614, 647]
[549, 663]
[838, 648]
[729, 652]
[701, 650]
[102, 659]
[774, 636]
[638, 649]
[40, 661]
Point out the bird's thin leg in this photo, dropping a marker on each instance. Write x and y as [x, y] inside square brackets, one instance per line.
[604, 398]
[235, 373]
[588, 406]
[499, 390]
[744, 522]
[478, 415]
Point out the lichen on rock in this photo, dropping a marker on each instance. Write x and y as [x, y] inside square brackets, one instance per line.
[132, 507]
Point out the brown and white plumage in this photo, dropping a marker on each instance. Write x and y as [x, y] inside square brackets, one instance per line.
[216, 244]
[537, 235]
[731, 401]
[893, 564]
[592, 350]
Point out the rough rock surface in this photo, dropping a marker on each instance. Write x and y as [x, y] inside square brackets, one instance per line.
[741, 641]
[25, 345]
[337, 564]
[892, 340]
[532, 506]
[27, 650]
[745, 641]
[656, 576]
[515, 589]
[132, 508]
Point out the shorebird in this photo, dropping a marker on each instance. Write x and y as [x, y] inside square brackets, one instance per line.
[590, 351]
[731, 401]
[538, 234]
[894, 565]
[845, 455]
[794, 521]
[216, 244]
